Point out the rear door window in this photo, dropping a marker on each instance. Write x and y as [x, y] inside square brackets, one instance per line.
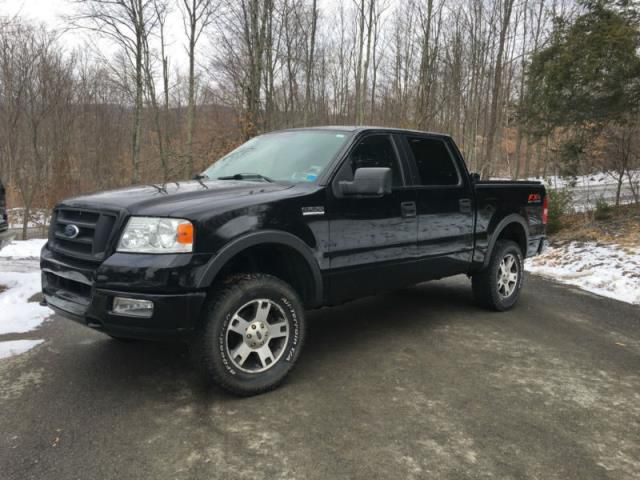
[434, 162]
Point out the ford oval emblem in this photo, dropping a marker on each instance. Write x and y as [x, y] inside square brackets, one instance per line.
[71, 231]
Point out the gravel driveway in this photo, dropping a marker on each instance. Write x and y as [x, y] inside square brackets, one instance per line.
[415, 384]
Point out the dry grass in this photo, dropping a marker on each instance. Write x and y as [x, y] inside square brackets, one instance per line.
[622, 227]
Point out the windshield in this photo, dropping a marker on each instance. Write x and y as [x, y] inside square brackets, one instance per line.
[294, 156]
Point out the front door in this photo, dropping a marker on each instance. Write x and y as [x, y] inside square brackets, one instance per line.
[372, 240]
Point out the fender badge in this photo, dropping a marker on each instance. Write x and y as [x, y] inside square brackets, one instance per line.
[307, 211]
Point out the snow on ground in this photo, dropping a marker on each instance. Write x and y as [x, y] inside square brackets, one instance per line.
[23, 249]
[17, 314]
[591, 180]
[608, 270]
[20, 276]
[16, 347]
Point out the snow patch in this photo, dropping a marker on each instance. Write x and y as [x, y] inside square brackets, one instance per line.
[608, 270]
[23, 249]
[17, 314]
[16, 347]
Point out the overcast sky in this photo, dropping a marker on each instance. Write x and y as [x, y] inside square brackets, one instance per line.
[51, 13]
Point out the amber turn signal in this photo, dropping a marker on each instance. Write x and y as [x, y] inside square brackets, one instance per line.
[185, 233]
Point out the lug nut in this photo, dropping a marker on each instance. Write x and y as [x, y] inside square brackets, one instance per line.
[248, 335]
[253, 326]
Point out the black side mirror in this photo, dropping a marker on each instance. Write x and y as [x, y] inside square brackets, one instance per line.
[475, 177]
[368, 182]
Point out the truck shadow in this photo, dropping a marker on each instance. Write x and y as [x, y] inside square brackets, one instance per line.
[335, 336]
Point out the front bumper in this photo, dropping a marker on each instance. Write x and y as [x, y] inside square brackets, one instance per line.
[84, 293]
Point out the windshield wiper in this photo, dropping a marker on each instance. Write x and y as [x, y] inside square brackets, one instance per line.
[246, 176]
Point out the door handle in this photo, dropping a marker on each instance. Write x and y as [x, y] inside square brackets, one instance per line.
[465, 205]
[408, 209]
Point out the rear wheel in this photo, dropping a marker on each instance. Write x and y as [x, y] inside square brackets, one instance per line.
[498, 286]
[251, 334]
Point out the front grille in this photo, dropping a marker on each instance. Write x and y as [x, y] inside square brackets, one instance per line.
[91, 239]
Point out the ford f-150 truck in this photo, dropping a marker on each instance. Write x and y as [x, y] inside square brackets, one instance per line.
[289, 221]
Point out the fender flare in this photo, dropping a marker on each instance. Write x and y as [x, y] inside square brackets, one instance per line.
[239, 244]
[504, 223]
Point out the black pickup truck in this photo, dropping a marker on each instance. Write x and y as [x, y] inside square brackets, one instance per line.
[289, 221]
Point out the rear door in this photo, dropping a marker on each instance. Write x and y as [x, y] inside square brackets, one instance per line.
[444, 206]
[372, 240]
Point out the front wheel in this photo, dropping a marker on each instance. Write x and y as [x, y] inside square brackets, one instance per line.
[251, 334]
[498, 286]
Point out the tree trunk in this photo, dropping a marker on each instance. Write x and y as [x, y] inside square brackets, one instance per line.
[619, 187]
[191, 105]
[137, 109]
[359, 61]
[310, 60]
[497, 86]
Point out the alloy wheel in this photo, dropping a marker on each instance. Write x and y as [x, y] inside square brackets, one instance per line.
[257, 335]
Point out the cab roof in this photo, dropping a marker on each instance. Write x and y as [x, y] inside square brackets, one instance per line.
[364, 128]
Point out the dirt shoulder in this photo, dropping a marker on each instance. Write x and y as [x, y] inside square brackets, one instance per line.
[622, 227]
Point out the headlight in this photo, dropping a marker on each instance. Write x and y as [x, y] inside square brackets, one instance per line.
[156, 235]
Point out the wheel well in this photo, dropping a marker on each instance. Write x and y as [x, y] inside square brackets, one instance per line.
[281, 261]
[515, 232]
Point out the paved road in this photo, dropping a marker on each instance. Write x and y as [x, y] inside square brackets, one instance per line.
[414, 384]
[586, 197]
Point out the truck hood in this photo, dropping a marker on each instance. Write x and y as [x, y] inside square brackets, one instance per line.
[170, 199]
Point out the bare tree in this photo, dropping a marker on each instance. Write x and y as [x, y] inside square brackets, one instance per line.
[196, 16]
[505, 20]
[127, 23]
[309, 61]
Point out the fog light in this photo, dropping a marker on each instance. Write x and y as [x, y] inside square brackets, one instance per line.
[132, 307]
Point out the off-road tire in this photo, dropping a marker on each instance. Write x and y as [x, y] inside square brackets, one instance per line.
[210, 343]
[485, 282]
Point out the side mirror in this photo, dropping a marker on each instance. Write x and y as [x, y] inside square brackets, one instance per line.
[475, 177]
[368, 182]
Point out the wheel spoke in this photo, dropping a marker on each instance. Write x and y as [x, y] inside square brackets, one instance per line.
[238, 325]
[265, 355]
[240, 353]
[513, 277]
[508, 263]
[262, 312]
[278, 330]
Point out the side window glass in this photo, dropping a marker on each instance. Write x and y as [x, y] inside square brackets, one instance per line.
[434, 162]
[372, 151]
